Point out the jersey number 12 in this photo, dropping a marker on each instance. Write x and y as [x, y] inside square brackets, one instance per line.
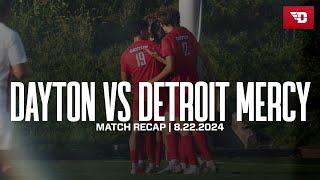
[185, 49]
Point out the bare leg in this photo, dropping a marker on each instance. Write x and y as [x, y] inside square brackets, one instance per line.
[133, 147]
[158, 148]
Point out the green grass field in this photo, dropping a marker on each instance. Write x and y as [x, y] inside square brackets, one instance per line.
[230, 168]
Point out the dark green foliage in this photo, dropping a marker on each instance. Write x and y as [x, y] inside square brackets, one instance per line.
[309, 66]
[83, 40]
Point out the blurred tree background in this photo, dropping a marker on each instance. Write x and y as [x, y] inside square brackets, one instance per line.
[82, 40]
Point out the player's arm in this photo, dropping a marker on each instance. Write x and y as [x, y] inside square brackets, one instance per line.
[18, 59]
[170, 66]
[157, 56]
[208, 65]
[167, 50]
[21, 71]
[125, 72]
[125, 76]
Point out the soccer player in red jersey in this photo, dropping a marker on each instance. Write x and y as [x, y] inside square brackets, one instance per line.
[139, 66]
[156, 35]
[181, 51]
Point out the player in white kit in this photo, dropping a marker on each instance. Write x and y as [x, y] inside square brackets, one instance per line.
[12, 64]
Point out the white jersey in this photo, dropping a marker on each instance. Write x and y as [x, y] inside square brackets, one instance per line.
[11, 53]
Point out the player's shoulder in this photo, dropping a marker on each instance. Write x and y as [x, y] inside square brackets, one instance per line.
[125, 53]
[127, 50]
[7, 33]
[5, 29]
[188, 32]
[152, 44]
[185, 31]
[180, 31]
[168, 37]
[147, 43]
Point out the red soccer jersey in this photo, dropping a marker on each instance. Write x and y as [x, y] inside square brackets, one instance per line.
[182, 44]
[137, 63]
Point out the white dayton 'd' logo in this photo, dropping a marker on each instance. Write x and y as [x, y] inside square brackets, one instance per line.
[301, 17]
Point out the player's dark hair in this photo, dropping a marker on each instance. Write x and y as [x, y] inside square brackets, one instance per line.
[151, 18]
[4, 7]
[157, 31]
[155, 28]
[136, 27]
[169, 16]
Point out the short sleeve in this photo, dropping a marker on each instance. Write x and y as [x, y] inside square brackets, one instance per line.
[16, 52]
[166, 48]
[124, 65]
[196, 44]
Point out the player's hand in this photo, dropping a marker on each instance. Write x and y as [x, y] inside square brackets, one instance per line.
[154, 54]
[151, 81]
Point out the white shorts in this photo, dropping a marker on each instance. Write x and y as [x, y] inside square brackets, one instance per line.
[6, 130]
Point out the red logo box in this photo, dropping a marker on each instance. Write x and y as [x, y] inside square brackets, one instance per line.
[298, 17]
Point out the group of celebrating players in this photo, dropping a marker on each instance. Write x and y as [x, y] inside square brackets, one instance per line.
[164, 51]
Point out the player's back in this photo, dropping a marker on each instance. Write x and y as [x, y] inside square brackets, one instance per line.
[139, 64]
[184, 47]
